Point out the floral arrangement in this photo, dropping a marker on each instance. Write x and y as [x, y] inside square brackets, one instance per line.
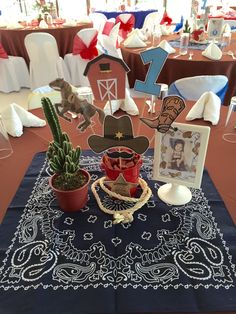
[41, 6]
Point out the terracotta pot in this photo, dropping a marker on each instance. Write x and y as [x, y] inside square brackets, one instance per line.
[72, 200]
[130, 174]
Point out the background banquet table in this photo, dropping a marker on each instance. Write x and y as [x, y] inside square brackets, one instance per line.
[182, 67]
[220, 157]
[13, 39]
[138, 14]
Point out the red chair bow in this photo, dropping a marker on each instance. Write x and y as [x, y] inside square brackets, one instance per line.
[125, 28]
[3, 53]
[79, 48]
[107, 28]
[166, 19]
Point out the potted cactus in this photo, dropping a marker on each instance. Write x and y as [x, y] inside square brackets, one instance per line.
[69, 181]
[187, 28]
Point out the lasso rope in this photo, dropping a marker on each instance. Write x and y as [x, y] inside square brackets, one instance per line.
[125, 215]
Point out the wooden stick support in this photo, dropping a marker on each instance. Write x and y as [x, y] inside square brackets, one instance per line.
[110, 106]
[139, 125]
[120, 159]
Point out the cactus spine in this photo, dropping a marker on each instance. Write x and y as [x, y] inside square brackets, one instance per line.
[63, 159]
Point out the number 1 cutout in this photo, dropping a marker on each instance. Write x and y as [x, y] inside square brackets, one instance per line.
[157, 58]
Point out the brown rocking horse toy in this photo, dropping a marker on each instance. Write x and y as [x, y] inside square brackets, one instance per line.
[73, 103]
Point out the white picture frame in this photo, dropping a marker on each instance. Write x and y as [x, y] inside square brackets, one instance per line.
[215, 27]
[185, 168]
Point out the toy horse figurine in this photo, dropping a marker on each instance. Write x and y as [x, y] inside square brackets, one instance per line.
[73, 103]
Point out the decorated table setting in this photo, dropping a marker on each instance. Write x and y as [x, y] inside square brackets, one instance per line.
[201, 56]
[64, 32]
[138, 14]
[149, 231]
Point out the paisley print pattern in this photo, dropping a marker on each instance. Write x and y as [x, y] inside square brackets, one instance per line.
[165, 247]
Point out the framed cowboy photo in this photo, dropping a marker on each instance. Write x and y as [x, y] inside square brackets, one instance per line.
[179, 154]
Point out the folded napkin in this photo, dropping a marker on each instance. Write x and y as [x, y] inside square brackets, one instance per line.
[226, 29]
[14, 25]
[207, 107]
[138, 32]
[126, 104]
[43, 24]
[3, 23]
[3, 53]
[134, 41]
[69, 23]
[84, 19]
[212, 52]
[166, 46]
[15, 117]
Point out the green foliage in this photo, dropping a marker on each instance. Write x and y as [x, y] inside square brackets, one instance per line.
[187, 28]
[42, 8]
[63, 159]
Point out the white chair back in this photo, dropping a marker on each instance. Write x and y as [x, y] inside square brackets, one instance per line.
[75, 63]
[191, 88]
[87, 35]
[108, 43]
[125, 17]
[45, 63]
[98, 20]
[14, 74]
[151, 20]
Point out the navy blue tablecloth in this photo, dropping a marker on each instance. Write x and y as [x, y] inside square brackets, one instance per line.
[169, 259]
[139, 15]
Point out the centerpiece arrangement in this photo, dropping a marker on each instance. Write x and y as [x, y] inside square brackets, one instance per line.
[121, 162]
[69, 181]
[45, 10]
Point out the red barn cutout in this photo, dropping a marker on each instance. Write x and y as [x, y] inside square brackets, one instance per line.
[107, 77]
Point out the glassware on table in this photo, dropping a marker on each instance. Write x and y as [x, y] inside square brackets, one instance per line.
[5, 146]
[156, 36]
[184, 42]
[225, 42]
[230, 123]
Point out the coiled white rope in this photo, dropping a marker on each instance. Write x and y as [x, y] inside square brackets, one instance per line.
[125, 215]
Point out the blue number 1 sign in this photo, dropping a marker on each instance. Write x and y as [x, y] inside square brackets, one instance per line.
[157, 58]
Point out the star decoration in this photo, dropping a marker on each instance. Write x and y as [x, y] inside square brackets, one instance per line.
[119, 135]
[121, 186]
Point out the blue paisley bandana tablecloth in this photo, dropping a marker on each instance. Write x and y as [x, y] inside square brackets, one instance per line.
[169, 259]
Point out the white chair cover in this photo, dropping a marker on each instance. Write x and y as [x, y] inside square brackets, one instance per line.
[14, 74]
[75, 63]
[45, 63]
[34, 98]
[98, 20]
[124, 18]
[151, 20]
[108, 43]
[192, 88]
